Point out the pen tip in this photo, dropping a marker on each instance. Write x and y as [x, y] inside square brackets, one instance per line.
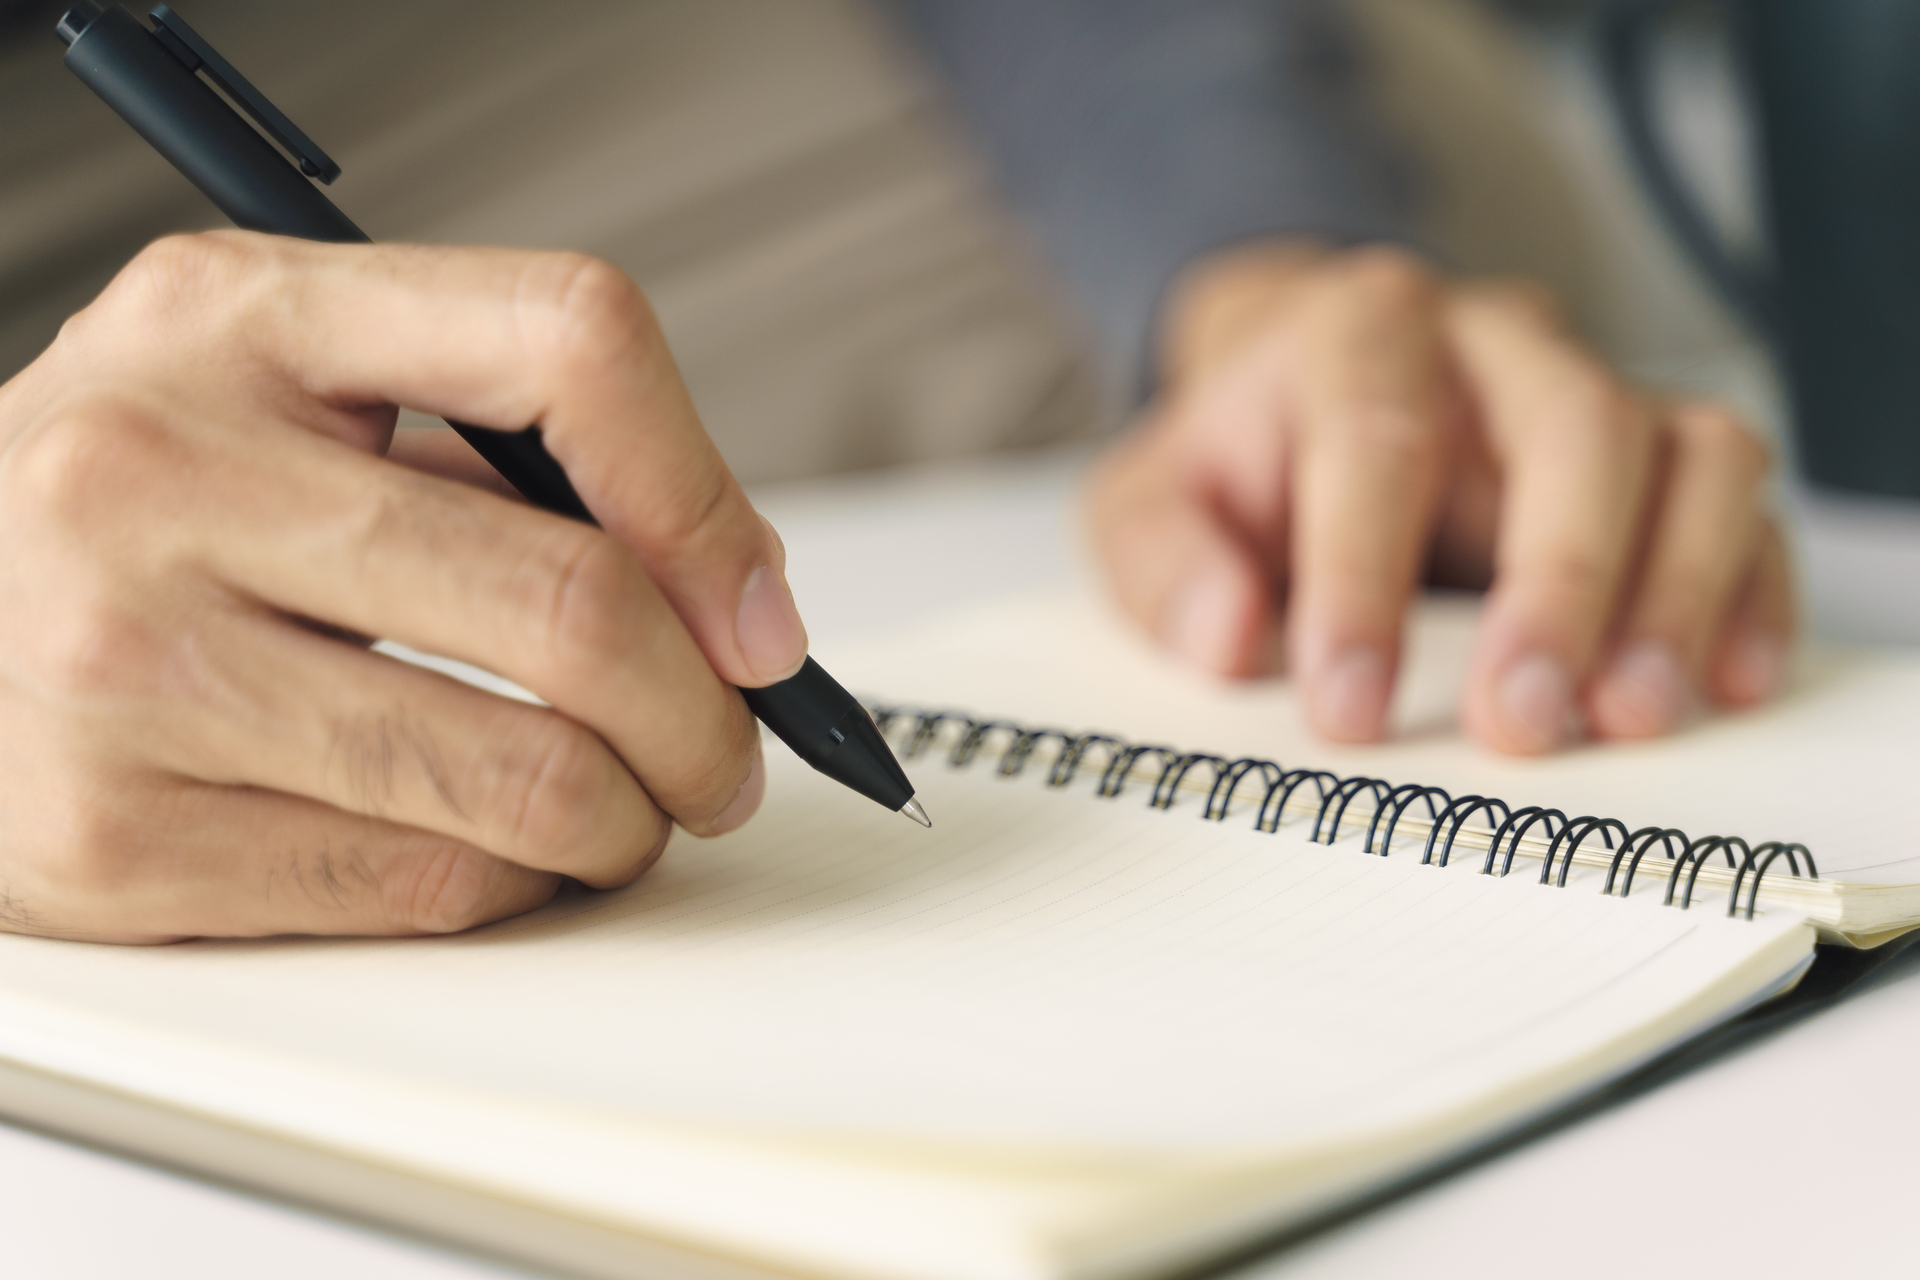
[913, 810]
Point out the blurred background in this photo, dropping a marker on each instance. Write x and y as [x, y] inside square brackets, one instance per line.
[848, 274]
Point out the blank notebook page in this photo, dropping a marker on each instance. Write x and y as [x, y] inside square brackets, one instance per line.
[1043, 971]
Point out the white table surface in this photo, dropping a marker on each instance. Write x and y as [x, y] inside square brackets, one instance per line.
[1793, 1157]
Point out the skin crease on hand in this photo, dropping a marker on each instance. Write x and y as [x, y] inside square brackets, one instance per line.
[1334, 428]
[200, 525]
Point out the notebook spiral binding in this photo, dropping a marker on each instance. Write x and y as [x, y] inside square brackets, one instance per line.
[1329, 797]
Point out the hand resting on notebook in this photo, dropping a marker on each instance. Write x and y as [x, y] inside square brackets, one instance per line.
[199, 525]
[1333, 427]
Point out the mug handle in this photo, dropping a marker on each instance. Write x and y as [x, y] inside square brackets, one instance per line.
[1627, 29]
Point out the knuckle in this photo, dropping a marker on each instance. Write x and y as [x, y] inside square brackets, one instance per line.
[73, 336]
[399, 509]
[1589, 400]
[1717, 433]
[585, 589]
[1580, 573]
[91, 857]
[591, 312]
[97, 650]
[1521, 302]
[656, 845]
[1390, 277]
[557, 780]
[692, 507]
[73, 499]
[1687, 589]
[86, 464]
[717, 774]
[403, 506]
[171, 261]
[1152, 459]
[178, 272]
[638, 857]
[373, 751]
[196, 287]
[84, 844]
[1392, 437]
[449, 887]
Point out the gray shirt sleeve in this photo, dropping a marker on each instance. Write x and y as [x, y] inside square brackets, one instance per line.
[1137, 134]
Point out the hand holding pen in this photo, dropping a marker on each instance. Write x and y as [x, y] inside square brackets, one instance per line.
[199, 522]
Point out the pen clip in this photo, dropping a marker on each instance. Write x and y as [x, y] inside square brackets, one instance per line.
[186, 44]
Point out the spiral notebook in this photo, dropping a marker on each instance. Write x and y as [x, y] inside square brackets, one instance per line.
[1128, 1008]
[1828, 768]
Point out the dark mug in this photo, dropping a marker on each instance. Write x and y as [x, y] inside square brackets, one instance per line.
[1834, 88]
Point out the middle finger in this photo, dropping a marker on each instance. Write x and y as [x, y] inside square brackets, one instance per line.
[553, 605]
[1576, 449]
[297, 712]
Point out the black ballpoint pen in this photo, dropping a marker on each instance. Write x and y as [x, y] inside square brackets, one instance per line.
[151, 78]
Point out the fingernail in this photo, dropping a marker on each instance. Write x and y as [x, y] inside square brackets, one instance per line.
[746, 801]
[1536, 699]
[1202, 620]
[1645, 692]
[1756, 666]
[1350, 695]
[772, 638]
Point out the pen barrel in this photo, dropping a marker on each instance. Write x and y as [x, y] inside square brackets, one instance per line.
[199, 134]
[828, 728]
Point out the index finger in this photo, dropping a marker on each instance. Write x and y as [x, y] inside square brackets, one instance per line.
[502, 339]
[1372, 405]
